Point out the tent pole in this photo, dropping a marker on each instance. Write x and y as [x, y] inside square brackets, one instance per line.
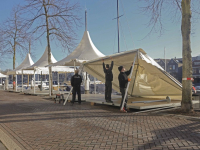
[28, 81]
[22, 81]
[74, 66]
[41, 82]
[49, 85]
[135, 74]
[34, 82]
[16, 83]
[94, 85]
[128, 83]
[80, 71]
[4, 84]
[58, 81]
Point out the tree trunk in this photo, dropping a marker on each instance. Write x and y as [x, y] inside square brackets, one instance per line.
[14, 58]
[49, 50]
[186, 103]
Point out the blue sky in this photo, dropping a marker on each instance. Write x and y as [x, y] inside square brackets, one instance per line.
[103, 30]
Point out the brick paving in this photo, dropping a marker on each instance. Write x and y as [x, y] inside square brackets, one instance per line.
[35, 123]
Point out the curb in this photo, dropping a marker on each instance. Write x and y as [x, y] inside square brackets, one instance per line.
[8, 142]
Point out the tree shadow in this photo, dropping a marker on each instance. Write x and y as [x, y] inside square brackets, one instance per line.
[181, 136]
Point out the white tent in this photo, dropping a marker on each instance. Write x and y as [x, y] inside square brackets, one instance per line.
[85, 51]
[148, 78]
[40, 66]
[2, 75]
[26, 63]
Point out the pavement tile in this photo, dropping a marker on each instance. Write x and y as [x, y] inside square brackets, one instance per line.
[37, 123]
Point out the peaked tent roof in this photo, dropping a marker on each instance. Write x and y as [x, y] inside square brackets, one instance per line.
[85, 51]
[41, 64]
[43, 61]
[2, 75]
[148, 78]
[26, 63]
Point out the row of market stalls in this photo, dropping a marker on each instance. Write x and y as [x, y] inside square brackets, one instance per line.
[85, 51]
[148, 78]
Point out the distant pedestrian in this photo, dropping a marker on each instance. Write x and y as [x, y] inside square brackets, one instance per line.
[76, 84]
[108, 81]
[123, 81]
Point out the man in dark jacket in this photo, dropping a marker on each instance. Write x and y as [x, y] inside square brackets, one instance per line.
[123, 81]
[76, 84]
[108, 81]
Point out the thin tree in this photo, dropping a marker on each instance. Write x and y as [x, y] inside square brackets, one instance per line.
[56, 19]
[13, 36]
[156, 9]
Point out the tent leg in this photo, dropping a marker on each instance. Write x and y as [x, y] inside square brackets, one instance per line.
[94, 85]
[41, 82]
[49, 85]
[6, 82]
[74, 66]
[58, 81]
[128, 83]
[22, 81]
[16, 83]
[34, 83]
[28, 81]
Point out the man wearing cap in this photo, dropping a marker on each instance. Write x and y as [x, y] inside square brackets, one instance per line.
[123, 81]
[76, 84]
[108, 81]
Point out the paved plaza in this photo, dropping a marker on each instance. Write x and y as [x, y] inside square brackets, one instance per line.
[36, 123]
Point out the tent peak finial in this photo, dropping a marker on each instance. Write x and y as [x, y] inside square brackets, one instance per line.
[85, 19]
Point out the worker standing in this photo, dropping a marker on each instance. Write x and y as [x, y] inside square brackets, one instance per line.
[123, 81]
[76, 81]
[108, 81]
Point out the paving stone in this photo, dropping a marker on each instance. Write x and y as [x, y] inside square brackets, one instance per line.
[37, 123]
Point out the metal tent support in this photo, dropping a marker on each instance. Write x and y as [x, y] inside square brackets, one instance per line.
[16, 83]
[22, 81]
[49, 84]
[34, 83]
[128, 83]
[94, 85]
[58, 82]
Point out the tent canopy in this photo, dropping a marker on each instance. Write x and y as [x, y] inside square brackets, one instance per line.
[2, 75]
[148, 78]
[26, 63]
[41, 64]
[85, 51]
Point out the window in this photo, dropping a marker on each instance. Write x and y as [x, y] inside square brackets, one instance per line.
[174, 67]
[194, 71]
[170, 67]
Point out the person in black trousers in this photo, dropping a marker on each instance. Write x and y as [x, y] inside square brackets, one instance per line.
[123, 81]
[76, 84]
[108, 81]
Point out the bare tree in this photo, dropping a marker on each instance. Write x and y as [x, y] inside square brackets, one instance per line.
[156, 8]
[56, 19]
[13, 36]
